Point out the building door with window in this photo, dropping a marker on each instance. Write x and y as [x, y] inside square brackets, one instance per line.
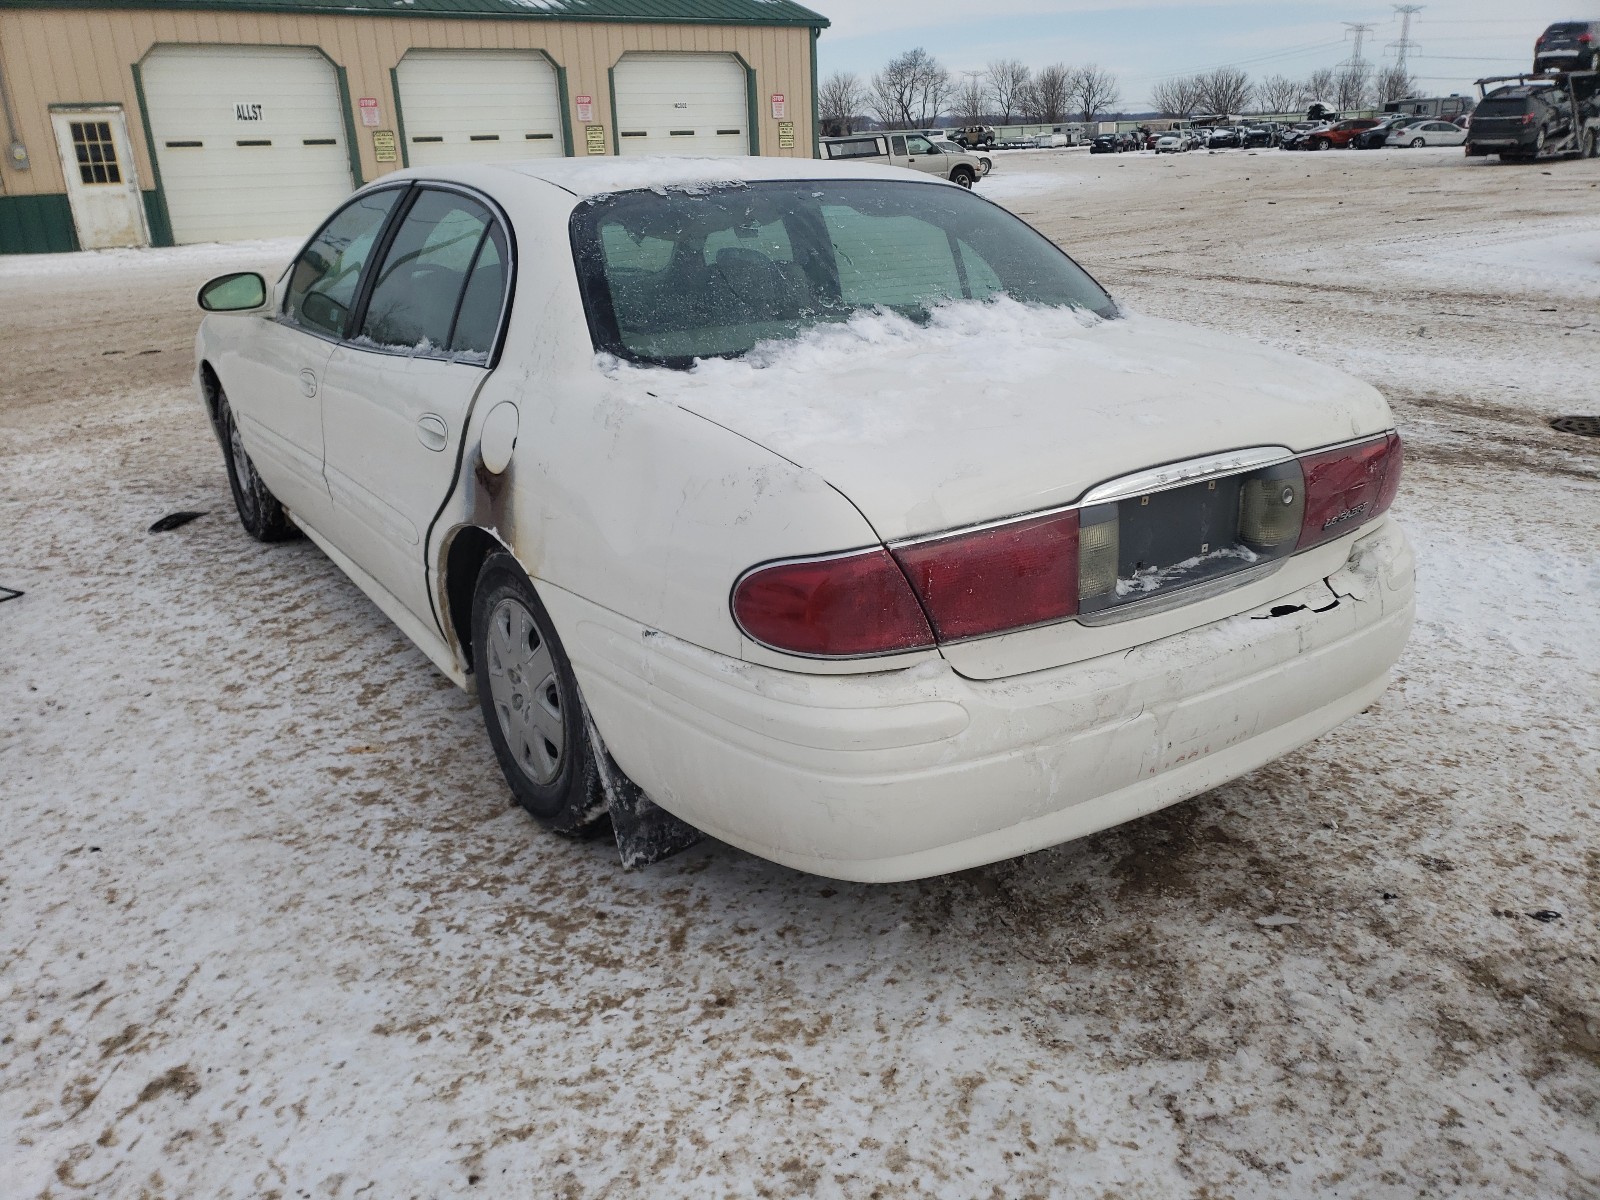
[102, 181]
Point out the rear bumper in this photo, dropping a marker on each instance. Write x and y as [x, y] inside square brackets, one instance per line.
[905, 774]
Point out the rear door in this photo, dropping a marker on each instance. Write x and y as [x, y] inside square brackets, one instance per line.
[398, 392]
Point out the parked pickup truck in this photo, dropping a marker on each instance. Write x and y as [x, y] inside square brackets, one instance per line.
[1530, 117]
[912, 150]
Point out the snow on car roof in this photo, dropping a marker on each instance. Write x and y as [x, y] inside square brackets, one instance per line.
[601, 176]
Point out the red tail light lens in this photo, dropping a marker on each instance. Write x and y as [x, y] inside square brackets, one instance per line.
[849, 605]
[1007, 577]
[1346, 487]
[1585, 38]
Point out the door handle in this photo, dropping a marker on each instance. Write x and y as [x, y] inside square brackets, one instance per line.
[308, 382]
[432, 432]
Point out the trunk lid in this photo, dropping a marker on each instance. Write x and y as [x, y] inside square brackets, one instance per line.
[1000, 410]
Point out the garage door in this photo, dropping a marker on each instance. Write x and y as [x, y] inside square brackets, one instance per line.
[478, 106]
[682, 104]
[250, 139]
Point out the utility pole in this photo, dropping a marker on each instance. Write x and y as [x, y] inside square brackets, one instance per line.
[1361, 32]
[1405, 46]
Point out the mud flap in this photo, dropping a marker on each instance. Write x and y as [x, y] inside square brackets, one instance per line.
[645, 832]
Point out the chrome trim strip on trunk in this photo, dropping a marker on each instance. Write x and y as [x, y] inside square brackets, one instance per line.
[1181, 474]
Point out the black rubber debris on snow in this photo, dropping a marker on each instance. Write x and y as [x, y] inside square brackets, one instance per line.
[1582, 426]
[175, 520]
[8, 593]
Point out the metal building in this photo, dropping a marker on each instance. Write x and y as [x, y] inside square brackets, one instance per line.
[172, 121]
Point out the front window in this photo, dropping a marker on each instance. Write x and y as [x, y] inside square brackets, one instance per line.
[669, 277]
[324, 279]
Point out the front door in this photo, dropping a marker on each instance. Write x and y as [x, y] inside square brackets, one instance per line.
[274, 383]
[398, 393]
[102, 180]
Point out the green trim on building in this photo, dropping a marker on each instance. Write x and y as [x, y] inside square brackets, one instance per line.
[155, 201]
[155, 215]
[399, 116]
[349, 122]
[566, 111]
[36, 225]
[816, 122]
[650, 12]
[752, 103]
[616, 121]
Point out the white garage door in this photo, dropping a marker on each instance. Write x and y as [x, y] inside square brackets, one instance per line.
[682, 104]
[478, 106]
[250, 139]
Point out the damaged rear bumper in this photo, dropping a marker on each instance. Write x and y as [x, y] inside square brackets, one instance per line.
[910, 773]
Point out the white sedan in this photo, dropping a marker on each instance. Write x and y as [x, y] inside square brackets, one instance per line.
[1427, 133]
[829, 508]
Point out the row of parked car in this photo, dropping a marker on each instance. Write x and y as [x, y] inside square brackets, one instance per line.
[1394, 129]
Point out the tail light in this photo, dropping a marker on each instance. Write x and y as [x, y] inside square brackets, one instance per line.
[1348, 486]
[842, 606]
[1585, 38]
[1004, 577]
[1035, 570]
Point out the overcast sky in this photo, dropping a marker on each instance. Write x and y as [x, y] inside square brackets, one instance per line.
[1457, 41]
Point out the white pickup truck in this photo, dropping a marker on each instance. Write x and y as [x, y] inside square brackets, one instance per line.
[913, 150]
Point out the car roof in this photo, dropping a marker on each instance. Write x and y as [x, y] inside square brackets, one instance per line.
[602, 176]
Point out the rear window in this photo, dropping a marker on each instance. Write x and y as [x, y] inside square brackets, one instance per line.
[1508, 106]
[669, 277]
[860, 148]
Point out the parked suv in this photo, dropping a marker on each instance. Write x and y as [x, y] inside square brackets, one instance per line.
[1516, 122]
[974, 137]
[1568, 46]
[913, 150]
[1339, 135]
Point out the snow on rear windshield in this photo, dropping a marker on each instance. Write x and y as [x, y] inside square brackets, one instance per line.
[670, 277]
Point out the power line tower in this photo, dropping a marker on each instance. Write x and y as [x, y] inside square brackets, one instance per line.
[1360, 32]
[1405, 45]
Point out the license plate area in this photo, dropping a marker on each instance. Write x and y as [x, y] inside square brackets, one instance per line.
[1170, 541]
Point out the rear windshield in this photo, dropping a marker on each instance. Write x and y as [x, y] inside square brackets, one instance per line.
[1509, 106]
[672, 276]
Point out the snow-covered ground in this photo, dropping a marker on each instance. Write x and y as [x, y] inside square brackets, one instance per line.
[268, 927]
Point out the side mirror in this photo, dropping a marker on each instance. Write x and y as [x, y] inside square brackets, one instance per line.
[243, 291]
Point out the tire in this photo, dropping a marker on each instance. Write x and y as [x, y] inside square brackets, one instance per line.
[1318, 144]
[962, 175]
[530, 701]
[1592, 147]
[1418, 143]
[260, 513]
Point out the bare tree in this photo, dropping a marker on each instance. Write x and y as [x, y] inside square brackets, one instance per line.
[911, 91]
[1051, 93]
[1008, 81]
[1277, 94]
[839, 102]
[1394, 83]
[1319, 86]
[1225, 90]
[1177, 97]
[1353, 84]
[971, 102]
[1095, 91]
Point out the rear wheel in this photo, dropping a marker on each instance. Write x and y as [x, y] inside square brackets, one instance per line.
[962, 175]
[1592, 149]
[260, 513]
[530, 702]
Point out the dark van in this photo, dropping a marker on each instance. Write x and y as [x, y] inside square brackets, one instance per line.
[1568, 46]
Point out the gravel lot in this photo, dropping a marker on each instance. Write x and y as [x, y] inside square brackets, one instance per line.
[269, 929]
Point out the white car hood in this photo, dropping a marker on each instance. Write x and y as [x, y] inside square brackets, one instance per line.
[996, 409]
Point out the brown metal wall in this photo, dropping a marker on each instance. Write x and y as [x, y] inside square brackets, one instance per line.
[74, 57]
